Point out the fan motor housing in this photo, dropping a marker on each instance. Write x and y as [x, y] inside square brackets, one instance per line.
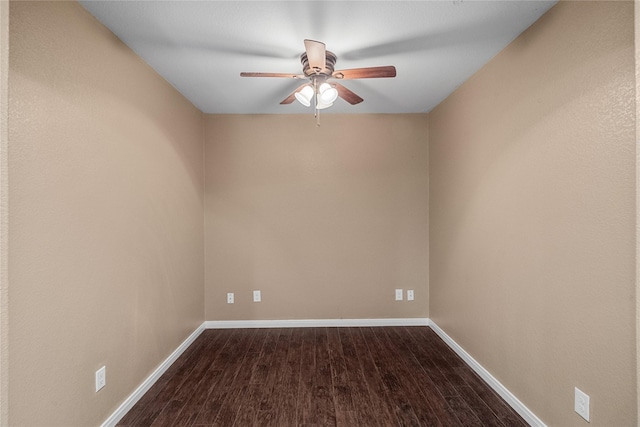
[330, 63]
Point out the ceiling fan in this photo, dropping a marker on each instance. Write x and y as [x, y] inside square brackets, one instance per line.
[318, 67]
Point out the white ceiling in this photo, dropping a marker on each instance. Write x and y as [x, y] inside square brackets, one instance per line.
[201, 47]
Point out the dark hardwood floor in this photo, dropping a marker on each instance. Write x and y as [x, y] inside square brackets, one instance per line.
[391, 376]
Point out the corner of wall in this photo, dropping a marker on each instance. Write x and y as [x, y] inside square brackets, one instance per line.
[637, 47]
[428, 123]
[4, 136]
[203, 136]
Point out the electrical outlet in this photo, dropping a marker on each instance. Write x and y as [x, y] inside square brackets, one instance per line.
[256, 296]
[581, 404]
[398, 294]
[410, 295]
[101, 378]
[230, 298]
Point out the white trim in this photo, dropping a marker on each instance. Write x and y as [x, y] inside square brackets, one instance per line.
[313, 323]
[496, 385]
[150, 380]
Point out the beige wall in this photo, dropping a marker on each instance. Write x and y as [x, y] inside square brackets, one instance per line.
[105, 217]
[325, 221]
[637, 52]
[532, 214]
[637, 46]
[4, 187]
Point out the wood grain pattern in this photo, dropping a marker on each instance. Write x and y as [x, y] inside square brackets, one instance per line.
[393, 376]
[366, 73]
[346, 94]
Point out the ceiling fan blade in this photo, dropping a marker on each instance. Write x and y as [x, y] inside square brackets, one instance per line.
[289, 99]
[347, 95]
[290, 76]
[316, 54]
[365, 73]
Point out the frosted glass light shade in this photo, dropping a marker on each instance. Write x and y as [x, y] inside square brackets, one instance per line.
[328, 94]
[321, 105]
[304, 96]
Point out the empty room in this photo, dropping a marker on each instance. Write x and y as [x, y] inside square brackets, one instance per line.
[319, 213]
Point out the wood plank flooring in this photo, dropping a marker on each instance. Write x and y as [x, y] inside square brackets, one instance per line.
[351, 377]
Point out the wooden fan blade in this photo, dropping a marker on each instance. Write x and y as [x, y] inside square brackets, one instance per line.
[365, 73]
[289, 99]
[316, 54]
[290, 76]
[347, 95]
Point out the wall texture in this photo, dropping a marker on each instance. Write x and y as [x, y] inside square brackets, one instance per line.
[105, 217]
[326, 221]
[637, 46]
[4, 197]
[532, 214]
[4, 213]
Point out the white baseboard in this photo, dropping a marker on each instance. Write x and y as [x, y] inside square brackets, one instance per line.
[313, 323]
[496, 385]
[150, 380]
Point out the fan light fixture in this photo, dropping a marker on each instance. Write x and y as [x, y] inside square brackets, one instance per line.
[328, 94]
[325, 95]
[322, 106]
[305, 95]
[318, 66]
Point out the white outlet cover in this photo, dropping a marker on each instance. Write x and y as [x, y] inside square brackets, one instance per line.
[398, 294]
[257, 297]
[410, 295]
[230, 298]
[581, 405]
[101, 378]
